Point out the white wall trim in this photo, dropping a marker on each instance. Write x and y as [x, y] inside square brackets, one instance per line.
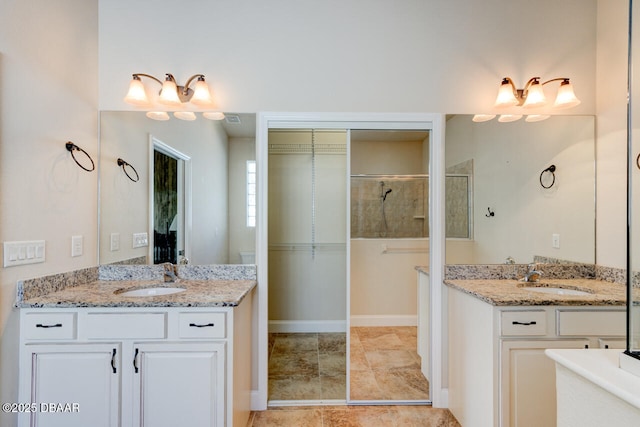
[384, 320]
[307, 326]
[266, 120]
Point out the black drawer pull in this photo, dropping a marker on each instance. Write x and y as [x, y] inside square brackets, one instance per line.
[135, 361]
[57, 325]
[113, 361]
[208, 325]
[533, 322]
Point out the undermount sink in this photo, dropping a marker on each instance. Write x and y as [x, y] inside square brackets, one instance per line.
[152, 291]
[555, 290]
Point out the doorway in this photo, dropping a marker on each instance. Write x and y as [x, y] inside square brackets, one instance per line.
[169, 204]
[347, 122]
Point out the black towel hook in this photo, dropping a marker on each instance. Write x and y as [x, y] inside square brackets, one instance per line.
[70, 146]
[551, 169]
[123, 164]
[490, 214]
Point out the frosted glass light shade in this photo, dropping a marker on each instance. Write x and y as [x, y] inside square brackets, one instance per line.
[506, 97]
[169, 93]
[158, 115]
[185, 115]
[566, 98]
[536, 117]
[136, 94]
[506, 118]
[213, 115]
[479, 118]
[201, 95]
[535, 96]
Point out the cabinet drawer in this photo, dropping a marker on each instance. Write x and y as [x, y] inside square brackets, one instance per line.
[202, 325]
[591, 323]
[524, 323]
[50, 326]
[126, 325]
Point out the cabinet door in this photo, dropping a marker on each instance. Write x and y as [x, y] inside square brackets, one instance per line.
[180, 384]
[528, 384]
[74, 385]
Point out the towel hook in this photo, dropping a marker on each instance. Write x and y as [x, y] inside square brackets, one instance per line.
[70, 146]
[123, 164]
[551, 169]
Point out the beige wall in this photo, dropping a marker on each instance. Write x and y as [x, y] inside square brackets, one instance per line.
[48, 95]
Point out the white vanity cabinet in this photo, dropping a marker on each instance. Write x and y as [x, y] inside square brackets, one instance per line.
[128, 367]
[499, 375]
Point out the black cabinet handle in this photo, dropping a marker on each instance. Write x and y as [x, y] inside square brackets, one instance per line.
[208, 325]
[57, 325]
[113, 361]
[524, 323]
[135, 361]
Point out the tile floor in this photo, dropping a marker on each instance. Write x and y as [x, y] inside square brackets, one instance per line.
[385, 364]
[307, 366]
[354, 416]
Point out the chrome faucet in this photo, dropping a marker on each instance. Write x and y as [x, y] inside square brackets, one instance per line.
[169, 272]
[532, 275]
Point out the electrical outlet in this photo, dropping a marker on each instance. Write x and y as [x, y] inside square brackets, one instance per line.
[115, 241]
[555, 241]
[76, 246]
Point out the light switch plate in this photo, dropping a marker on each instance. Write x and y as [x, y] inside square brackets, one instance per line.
[26, 252]
[140, 240]
[76, 246]
[555, 241]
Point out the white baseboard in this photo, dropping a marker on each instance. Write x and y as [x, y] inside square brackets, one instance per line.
[384, 320]
[257, 403]
[309, 326]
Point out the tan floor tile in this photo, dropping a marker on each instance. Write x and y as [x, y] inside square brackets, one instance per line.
[332, 364]
[333, 387]
[299, 363]
[382, 342]
[295, 388]
[391, 359]
[289, 418]
[359, 416]
[293, 343]
[403, 384]
[364, 386]
[331, 342]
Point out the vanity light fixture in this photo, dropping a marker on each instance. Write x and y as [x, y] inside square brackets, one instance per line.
[173, 96]
[530, 98]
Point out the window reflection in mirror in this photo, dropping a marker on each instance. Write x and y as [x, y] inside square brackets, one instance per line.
[219, 153]
[505, 161]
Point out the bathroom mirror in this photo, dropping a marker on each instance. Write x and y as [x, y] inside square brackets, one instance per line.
[521, 208]
[219, 152]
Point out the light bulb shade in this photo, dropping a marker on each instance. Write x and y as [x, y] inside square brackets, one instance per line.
[185, 115]
[566, 98]
[136, 94]
[535, 96]
[506, 97]
[479, 118]
[213, 115]
[158, 115]
[506, 118]
[169, 93]
[201, 95]
[536, 117]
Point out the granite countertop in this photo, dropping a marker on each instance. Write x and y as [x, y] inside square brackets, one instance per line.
[107, 293]
[506, 292]
[102, 286]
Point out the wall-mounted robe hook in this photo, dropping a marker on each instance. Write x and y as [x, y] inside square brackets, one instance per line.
[551, 169]
[124, 165]
[490, 214]
[638, 161]
[71, 147]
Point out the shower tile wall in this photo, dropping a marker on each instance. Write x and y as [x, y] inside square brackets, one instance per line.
[405, 207]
